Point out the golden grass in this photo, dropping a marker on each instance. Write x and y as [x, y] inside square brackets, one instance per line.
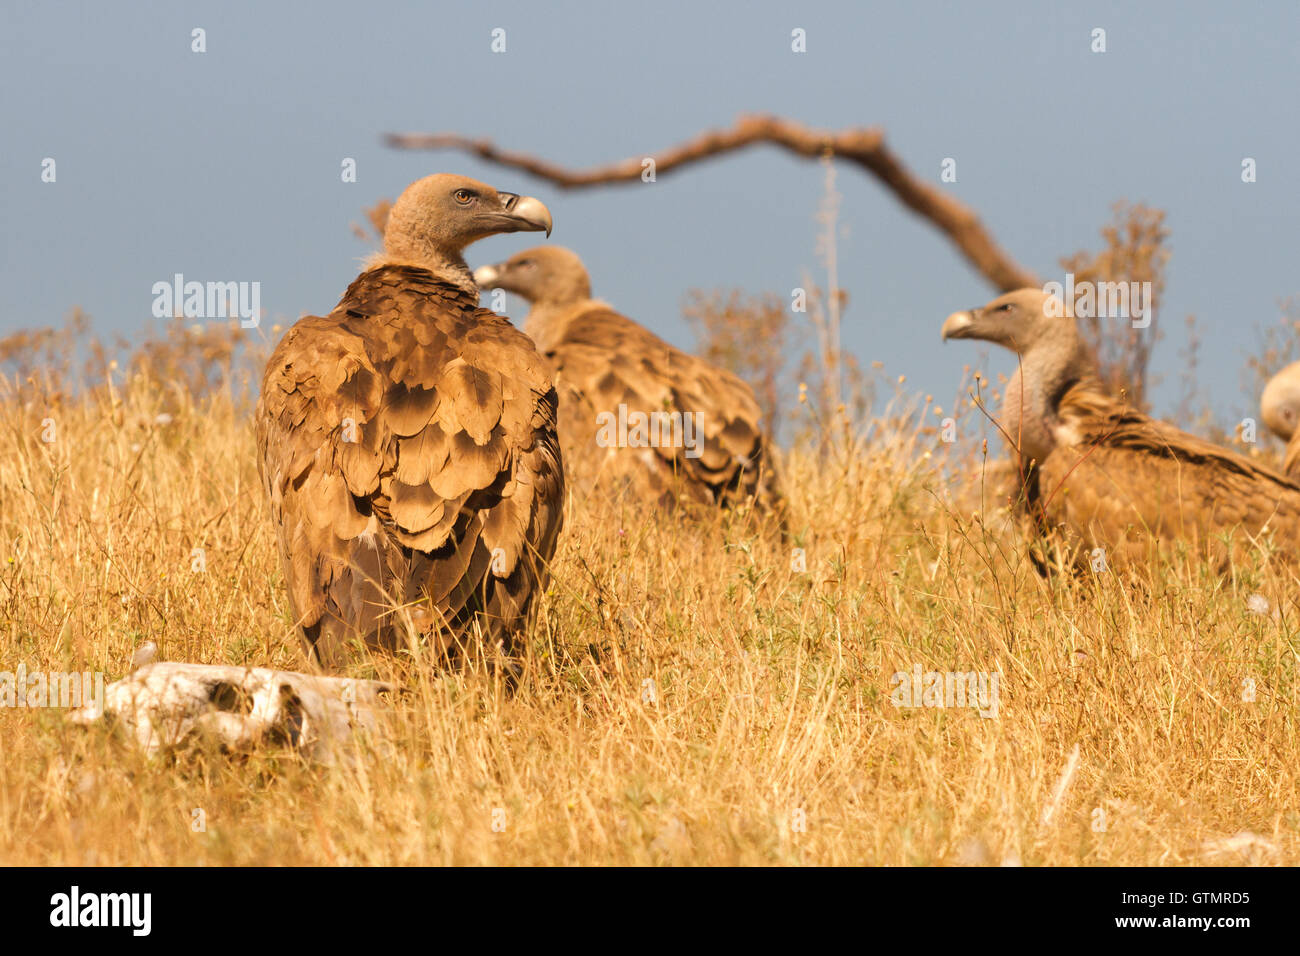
[771, 689]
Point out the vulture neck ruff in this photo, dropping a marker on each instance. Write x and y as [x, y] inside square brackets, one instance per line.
[450, 269]
[547, 322]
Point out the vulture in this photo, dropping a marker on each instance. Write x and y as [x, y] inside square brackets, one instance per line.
[1102, 473]
[407, 442]
[663, 424]
[1280, 407]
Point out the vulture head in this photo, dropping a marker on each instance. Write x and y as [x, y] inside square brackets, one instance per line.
[1019, 320]
[544, 275]
[1280, 403]
[436, 217]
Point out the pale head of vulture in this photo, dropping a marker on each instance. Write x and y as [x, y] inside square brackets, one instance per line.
[544, 275]
[436, 217]
[1280, 403]
[1019, 321]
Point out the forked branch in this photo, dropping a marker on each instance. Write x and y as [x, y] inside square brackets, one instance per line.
[864, 147]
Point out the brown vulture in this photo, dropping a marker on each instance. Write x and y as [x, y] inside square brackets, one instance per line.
[1280, 406]
[407, 442]
[662, 423]
[1105, 474]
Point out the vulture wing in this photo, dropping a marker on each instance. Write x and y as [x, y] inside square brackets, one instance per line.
[1120, 480]
[603, 360]
[407, 441]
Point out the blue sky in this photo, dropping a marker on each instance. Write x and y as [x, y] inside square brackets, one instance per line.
[225, 165]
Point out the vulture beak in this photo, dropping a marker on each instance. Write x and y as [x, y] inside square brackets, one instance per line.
[957, 325]
[524, 214]
[486, 276]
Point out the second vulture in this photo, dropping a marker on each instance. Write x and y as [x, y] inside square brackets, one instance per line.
[665, 424]
[1104, 474]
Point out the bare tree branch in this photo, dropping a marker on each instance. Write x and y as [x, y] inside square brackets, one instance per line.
[865, 147]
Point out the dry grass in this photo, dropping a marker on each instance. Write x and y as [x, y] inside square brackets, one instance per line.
[771, 688]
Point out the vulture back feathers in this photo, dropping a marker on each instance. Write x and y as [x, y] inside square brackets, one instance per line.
[1107, 475]
[407, 442]
[614, 376]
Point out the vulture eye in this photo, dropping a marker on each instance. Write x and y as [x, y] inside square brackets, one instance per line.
[1004, 307]
[463, 196]
[525, 263]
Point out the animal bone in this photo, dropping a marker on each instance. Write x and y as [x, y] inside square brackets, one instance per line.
[162, 705]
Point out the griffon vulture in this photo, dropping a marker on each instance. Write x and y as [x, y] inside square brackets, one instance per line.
[686, 428]
[1109, 476]
[1280, 406]
[407, 441]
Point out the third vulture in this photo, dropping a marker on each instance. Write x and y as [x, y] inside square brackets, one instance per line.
[1280, 406]
[1103, 473]
[683, 428]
